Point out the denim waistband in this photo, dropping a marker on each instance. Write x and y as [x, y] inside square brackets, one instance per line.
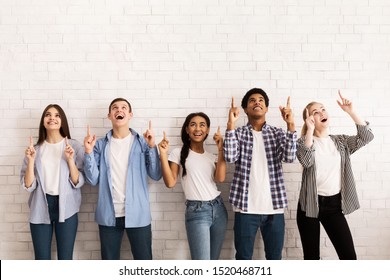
[217, 200]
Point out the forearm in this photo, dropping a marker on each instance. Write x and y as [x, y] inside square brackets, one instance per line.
[356, 118]
[220, 171]
[309, 139]
[230, 146]
[168, 177]
[291, 127]
[73, 172]
[29, 176]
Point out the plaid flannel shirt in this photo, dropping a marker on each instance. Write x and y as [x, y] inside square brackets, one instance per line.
[280, 146]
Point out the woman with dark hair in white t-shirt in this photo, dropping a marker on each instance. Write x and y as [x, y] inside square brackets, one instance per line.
[52, 173]
[206, 215]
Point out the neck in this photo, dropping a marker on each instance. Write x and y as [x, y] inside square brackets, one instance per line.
[197, 147]
[257, 124]
[53, 136]
[120, 132]
[321, 133]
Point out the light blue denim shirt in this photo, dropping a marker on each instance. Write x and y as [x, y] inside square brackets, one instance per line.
[69, 194]
[143, 161]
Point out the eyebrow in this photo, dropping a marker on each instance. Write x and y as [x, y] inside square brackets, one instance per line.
[254, 98]
[117, 105]
[314, 110]
[196, 123]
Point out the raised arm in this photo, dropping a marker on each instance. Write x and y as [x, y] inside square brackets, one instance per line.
[170, 170]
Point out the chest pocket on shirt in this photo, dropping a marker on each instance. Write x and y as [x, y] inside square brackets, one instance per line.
[138, 161]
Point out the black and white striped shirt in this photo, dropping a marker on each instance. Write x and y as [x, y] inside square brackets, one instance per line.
[346, 145]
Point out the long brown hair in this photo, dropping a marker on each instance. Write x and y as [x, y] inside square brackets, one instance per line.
[64, 130]
[304, 127]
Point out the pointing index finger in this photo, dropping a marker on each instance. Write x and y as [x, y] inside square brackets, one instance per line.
[31, 141]
[164, 136]
[219, 130]
[340, 95]
[88, 131]
[66, 141]
[232, 105]
[288, 102]
[150, 125]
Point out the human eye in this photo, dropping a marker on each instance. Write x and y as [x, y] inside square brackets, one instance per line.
[314, 113]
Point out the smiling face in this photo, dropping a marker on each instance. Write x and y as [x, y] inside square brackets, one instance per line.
[197, 129]
[120, 113]
[256, 106]
[321, 118]
[52, 119]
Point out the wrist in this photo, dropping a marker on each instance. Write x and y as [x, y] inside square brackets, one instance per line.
[230, 125]
[291, 127]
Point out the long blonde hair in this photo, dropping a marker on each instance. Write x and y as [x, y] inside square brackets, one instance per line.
[308, 106]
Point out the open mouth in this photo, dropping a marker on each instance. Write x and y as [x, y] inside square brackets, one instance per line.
[119, 117]
[324, 120]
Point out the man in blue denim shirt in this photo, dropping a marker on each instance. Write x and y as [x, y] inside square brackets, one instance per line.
[120, 163]
[258, 193]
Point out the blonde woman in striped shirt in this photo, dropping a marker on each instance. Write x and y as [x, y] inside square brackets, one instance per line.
[328, 190]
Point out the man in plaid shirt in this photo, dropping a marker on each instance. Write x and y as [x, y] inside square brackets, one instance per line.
[258, 193]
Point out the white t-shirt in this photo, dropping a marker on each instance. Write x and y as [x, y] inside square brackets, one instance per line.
[51, 159]
[259, 189]
[119, 162]
[199, 182]
[328, 166]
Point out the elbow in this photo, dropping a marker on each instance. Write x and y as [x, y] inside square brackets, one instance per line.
[220, 180]
[229, 159]
[170, 184]
[91, 182]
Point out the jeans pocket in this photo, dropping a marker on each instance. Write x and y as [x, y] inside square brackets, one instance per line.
[193, 206]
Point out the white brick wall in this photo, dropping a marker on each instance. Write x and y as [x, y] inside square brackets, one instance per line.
[170, 58]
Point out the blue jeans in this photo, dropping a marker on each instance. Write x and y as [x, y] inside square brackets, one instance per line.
[42, 234]
[111, 238]
[272, 231]
[206, 223]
